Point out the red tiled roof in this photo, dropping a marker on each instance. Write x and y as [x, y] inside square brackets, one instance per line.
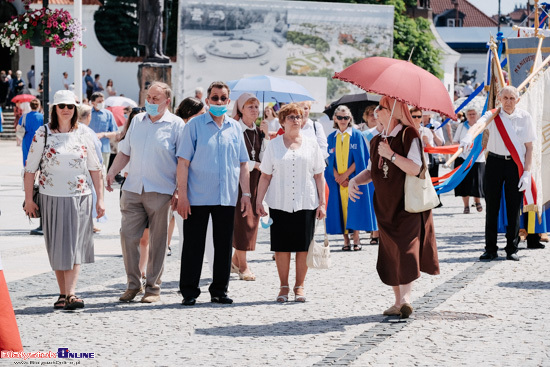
[138, 59]
[519, 15]
[473, 17]
[67, 2]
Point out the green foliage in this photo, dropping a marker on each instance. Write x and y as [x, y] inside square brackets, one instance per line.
[303, 39]
[116, 27]
[351, 60]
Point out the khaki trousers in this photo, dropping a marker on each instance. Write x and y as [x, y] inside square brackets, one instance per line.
[137, 210]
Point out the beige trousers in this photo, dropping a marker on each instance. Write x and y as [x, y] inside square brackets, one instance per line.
[137, 210]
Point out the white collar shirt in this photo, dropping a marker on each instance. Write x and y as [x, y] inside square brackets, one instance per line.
[343, 134]
[521, 123]
[292, 186]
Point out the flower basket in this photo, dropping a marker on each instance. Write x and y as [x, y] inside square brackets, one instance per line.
[43, 28]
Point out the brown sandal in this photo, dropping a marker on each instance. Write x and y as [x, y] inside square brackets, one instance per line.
[73, 303]
[466, 210]
[60, 303]
[479, 207]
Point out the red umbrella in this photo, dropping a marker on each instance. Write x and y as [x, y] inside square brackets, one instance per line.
[401, 80]
[23, 98]
[118, 113]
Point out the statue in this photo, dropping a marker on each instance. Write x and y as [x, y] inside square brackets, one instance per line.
[150, 30]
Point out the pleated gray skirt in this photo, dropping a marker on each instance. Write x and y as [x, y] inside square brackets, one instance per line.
[68, 230]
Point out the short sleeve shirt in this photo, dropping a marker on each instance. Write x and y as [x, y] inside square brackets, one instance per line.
[215, 154]
[103, 121]
[292, 187]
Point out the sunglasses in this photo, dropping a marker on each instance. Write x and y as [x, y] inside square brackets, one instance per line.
[63, 105]
[216, 98]
[345, 118]
[138, 109]
[294, 118]
[416, 116]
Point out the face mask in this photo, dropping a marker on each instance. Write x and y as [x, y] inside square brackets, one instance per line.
[100, 106]
[218, 110]
[151, 109]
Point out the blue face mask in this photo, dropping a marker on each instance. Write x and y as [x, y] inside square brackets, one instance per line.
[218, 110]
[151, 109]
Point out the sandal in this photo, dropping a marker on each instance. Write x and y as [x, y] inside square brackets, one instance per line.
[73, 303]
[235, 268]
[298, 297]
[374, 241]
[466, 210]
[357, 246]
[247, 276]
[282, 298]
[60, 303]
[479, 207]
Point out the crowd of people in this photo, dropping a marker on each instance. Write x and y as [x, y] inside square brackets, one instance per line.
[221, 174]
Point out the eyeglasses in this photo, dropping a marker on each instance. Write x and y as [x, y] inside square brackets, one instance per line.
[138, 109]
[416, 116]
[63, 105]
[345, 118]
[216, 98]
[294, 118]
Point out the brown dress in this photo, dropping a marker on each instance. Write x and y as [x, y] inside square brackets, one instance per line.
[407, 240]
[246, 229]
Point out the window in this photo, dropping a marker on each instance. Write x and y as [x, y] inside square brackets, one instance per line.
[452, 22]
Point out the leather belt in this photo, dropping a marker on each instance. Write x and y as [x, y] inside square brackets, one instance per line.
[505, 157]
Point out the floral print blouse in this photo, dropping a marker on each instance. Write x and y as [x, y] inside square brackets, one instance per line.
[66, 160]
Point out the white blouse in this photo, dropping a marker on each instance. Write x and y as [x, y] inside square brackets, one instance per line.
[461, 132]
[67, 159]
[292, 187]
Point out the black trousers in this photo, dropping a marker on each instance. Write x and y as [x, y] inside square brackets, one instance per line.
[500, 172]
[194, 237]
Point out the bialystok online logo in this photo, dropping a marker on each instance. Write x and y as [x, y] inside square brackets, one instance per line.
[61, 353]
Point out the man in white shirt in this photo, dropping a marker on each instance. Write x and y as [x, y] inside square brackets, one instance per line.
[65, 80]
[503, 167]
[314, 129]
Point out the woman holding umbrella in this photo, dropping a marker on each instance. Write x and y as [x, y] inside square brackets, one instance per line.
[407, 240]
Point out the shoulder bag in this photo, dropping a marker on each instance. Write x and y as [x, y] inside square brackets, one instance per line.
[20, 131]
[420, 194]
[36, 187]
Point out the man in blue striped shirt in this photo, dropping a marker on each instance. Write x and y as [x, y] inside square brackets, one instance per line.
[212, 161]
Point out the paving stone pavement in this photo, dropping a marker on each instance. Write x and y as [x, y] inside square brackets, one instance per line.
[474, 313]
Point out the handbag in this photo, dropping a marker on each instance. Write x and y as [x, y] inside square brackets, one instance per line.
[20, 131]
[318, 255]
[36, 187]
[420, 194]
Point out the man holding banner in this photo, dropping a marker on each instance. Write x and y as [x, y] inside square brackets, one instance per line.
[509, 161]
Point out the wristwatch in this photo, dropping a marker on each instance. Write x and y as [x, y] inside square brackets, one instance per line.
[393, 157]
[247, 194]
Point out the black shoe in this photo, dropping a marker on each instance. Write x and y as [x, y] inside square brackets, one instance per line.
[223, 300]
[169, 251]
[488, 256]
[513, 257]
[37, 232]
[536, 245]
[189, 301]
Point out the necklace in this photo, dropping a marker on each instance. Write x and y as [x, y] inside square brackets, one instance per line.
[382, 163]
[252, 145]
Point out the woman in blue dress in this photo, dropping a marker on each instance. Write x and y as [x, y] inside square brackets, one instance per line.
[347, 156]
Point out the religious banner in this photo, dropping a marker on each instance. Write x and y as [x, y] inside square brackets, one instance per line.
[521, 56]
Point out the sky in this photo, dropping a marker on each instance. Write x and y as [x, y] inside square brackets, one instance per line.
[490, 7]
